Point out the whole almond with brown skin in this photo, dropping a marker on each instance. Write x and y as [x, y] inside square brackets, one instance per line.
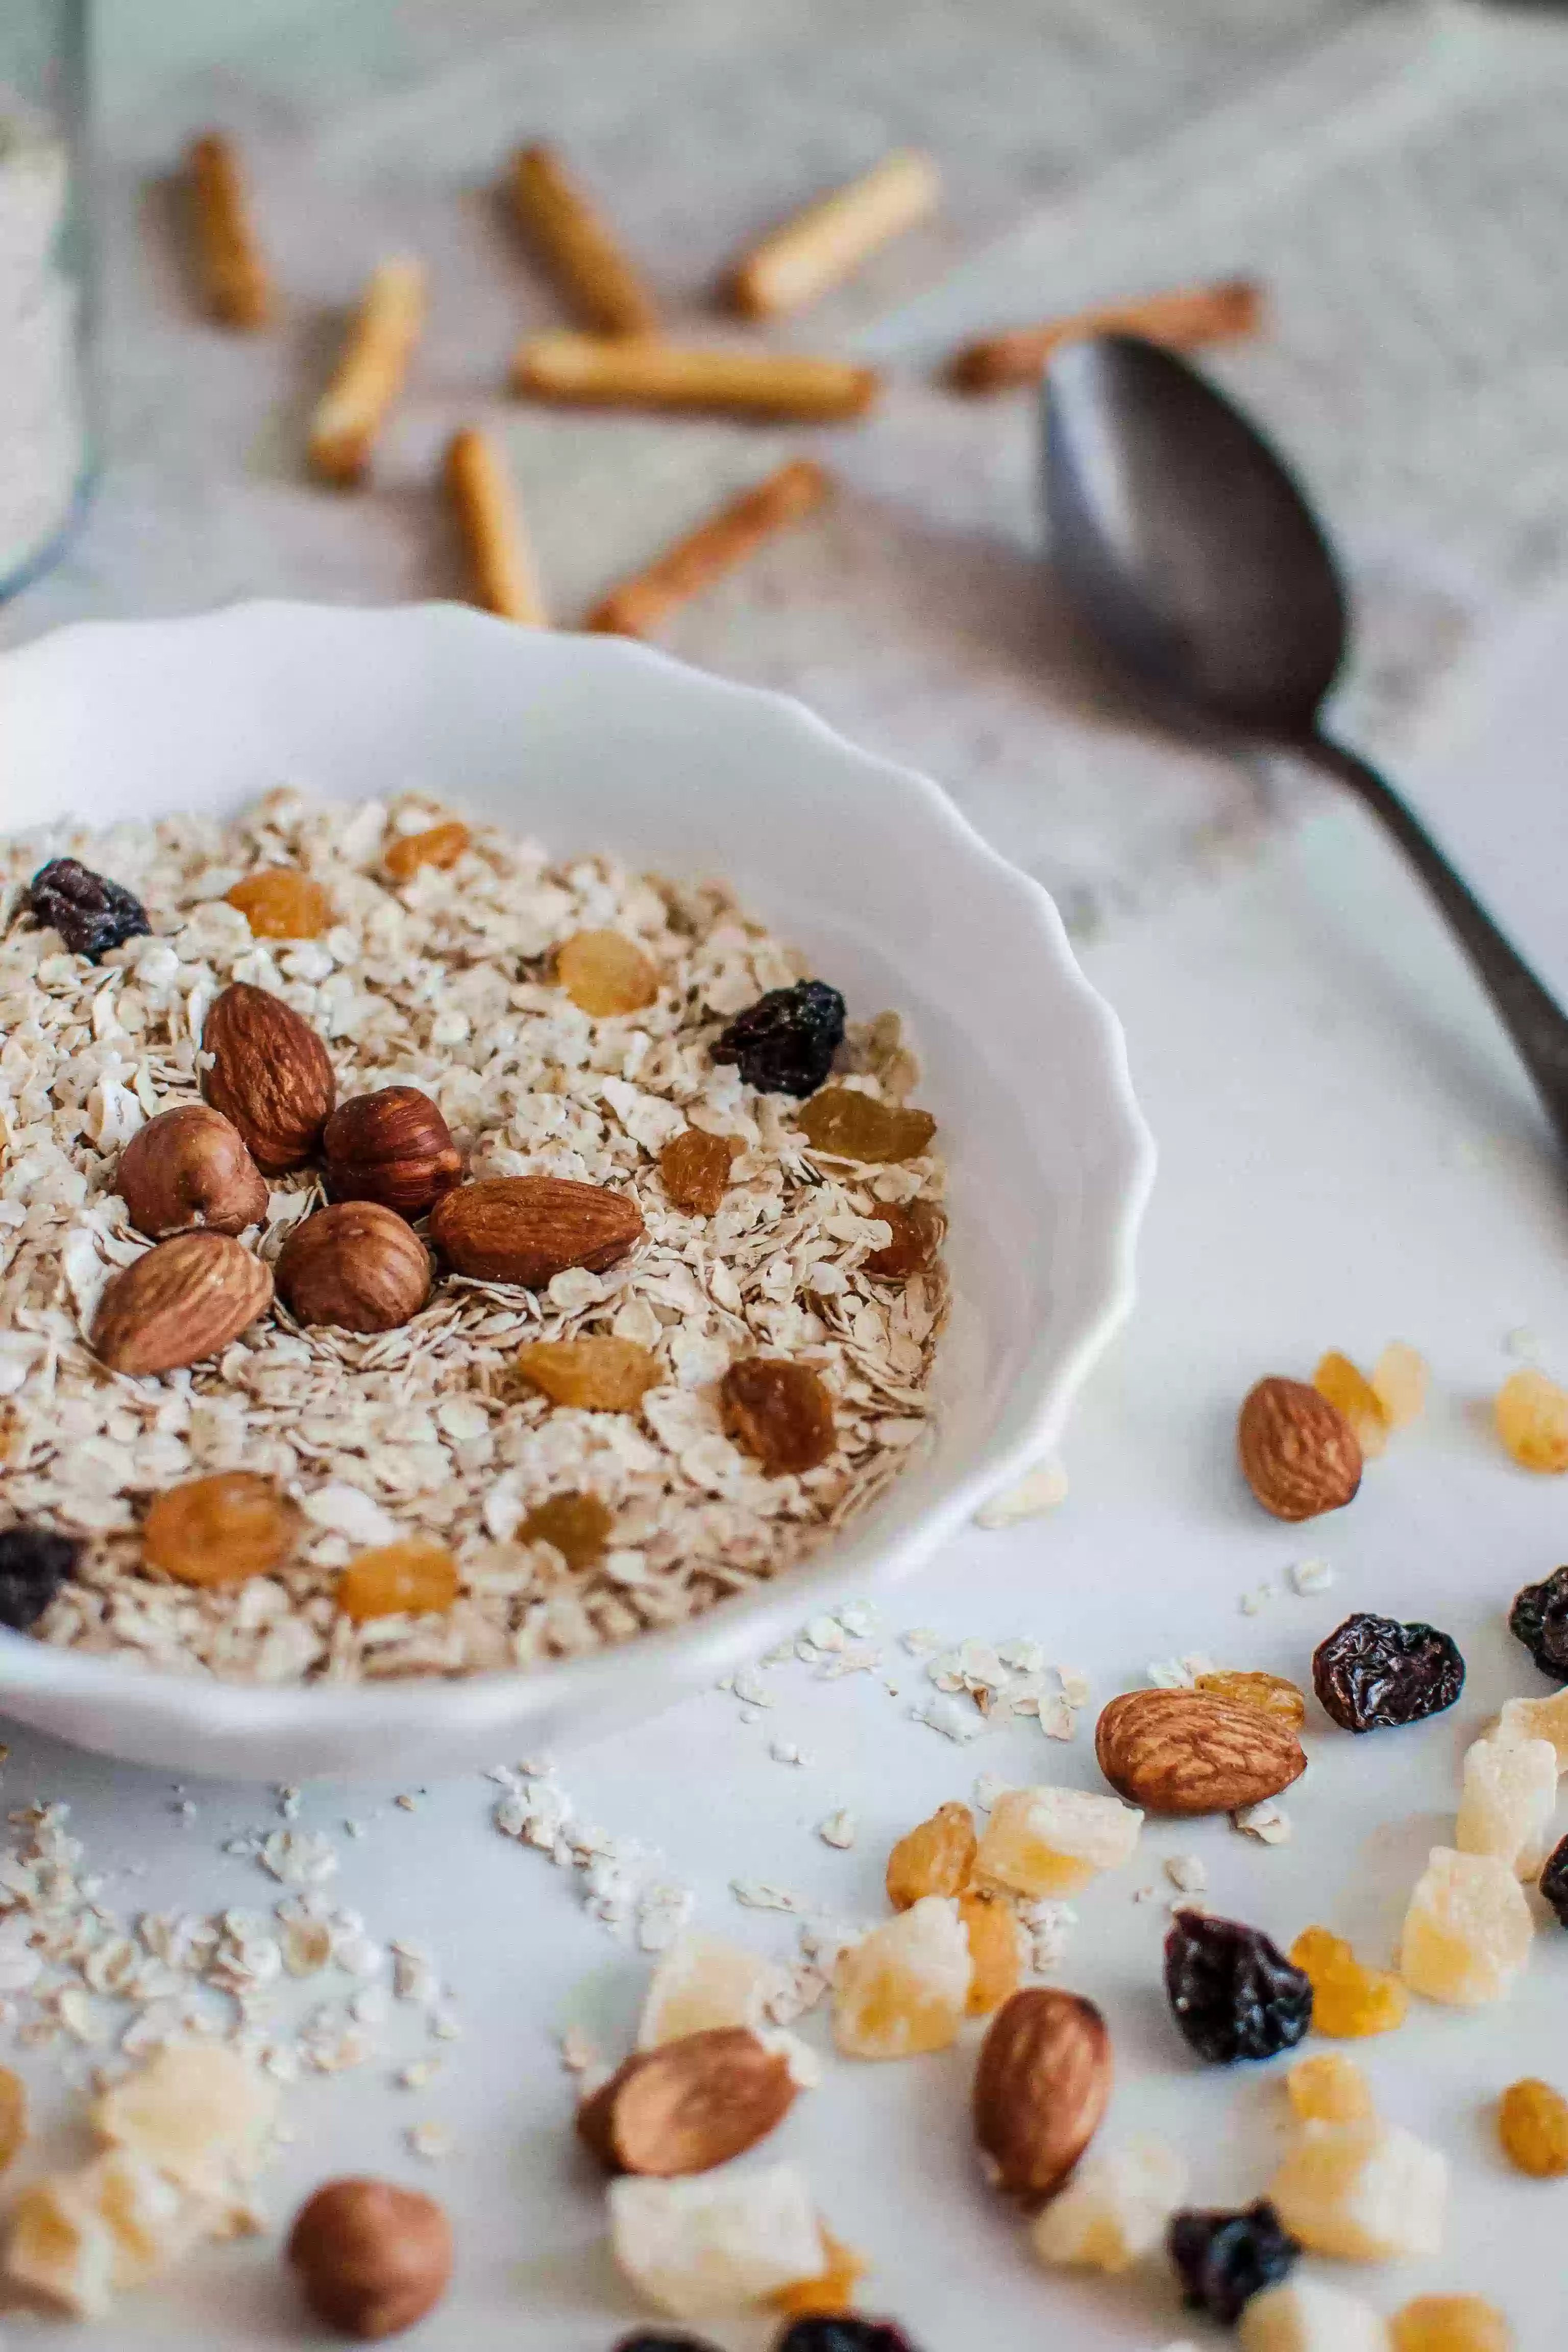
[393, 1146]
[1299, 1454]
[184, 1300]
[270, 1074]
[1040, 2089]
[357, 1266]
[528, 1229]
[689, 2105]
[1183, 1752]
[188, 1170]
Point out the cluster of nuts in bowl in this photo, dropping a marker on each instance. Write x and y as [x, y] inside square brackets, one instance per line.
[526, 1256]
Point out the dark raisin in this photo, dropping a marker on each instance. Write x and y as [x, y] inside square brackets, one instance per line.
[1223, 2259]
[34, 1564]
[1539, 1619]
[843, 2333]
[90, 913]
[784, 1043]
[1554, 1882]
[1233, 1993]
[646, 2340]
[1373, 1672]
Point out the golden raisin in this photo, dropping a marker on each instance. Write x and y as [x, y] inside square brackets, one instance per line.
[1338, 1379]
[220, 1530]
[916, 1236]
[416, 1578]
[603, 973]
[1329, 2090]
[1533, 2124]
[1348, 2000]
[831, 2292]
[1399, 1383]
[856, 1126]
[13, 2115]
[600, 1375]
[993, 1948]
[778, 1412]
[1532, 1420]
[577, 1524]
[936, 1857]
[441, 844]
[1269, 1693]
[280, 904]
[1449, 2322]
[696, 1167]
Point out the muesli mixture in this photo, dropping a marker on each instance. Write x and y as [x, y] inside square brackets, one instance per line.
[626, 1294]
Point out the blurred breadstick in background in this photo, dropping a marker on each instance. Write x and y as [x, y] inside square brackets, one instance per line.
[823, 243]
[488, 517]
[726, 539]
[1180, 320]
[579, 245]
[369, 374]
[593, 370]
[234, 276]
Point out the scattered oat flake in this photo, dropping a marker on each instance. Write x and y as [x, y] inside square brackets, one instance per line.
[758, 1895]
[920, 1641]
[1188, 1873]
[299, 1858]
[840, 1829]
[432, 2142]
[1267, 1821]
[413, 2076]
[959, 1724]
[1307, 1576]
[577, 2051]
[1044, 1488]
[784, 1751]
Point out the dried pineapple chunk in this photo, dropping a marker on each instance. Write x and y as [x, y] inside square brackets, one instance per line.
[700, 1983]
[1468, 1930]
[716, 2243]
[198, 2111]
[1399, 1379]
[1044, 1842]
[1366, 2191]
[1329, 2090]
[1538, 1719]
[1511, 1796]
[80, 2237]
[1114, 2210]
[904, 1988]
[1303, 2316]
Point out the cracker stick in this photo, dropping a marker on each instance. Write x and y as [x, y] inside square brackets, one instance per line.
[831, 237]
[633, 372]
[577, 243]
[234, 276]
[488, 517]
[715, 547]
[369, 374]
[1180, 320]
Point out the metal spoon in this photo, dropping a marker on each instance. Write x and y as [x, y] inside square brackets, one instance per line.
[1187, 544]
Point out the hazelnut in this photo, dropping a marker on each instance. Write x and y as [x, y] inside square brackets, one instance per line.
[393, 1146]
[358, 1266]
[189, 1169]
[372, 2259]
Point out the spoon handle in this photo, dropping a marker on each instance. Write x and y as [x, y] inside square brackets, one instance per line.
[1529, 1013]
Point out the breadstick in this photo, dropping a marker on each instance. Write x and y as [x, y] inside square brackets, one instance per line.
[234, 275]
[578, 244]
[831, 237]
[715, 547]
[492, 530]
[1180, 320]
[638, 373]
[369, 374]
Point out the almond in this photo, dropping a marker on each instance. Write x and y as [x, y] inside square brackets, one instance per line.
[527, 1229]
[270, 1074]
[357, 1266]
[1299, 1454]
[188, 1170]
[1040, 2089]
[1182, 1752]
[182, 1301]
[689, 2105]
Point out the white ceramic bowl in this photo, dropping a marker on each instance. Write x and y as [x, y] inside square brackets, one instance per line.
[599, 745]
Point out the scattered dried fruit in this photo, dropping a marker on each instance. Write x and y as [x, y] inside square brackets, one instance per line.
[1329, 2090]
[438, 845]
[1533, 2124]
[831, 2292]
[528, 1229]
[1468, 1930]
[357, 1266]
[599, 1374]
[850, 1125]
[1533, 1420]
[1449, 2322]
[702, 1982]
[1223, 2259]
[371, 2258]
[779, 1411]
[1539, 1619]
[1045, 1840]
[1348, 1390]
[412, 1579]
[90, 913]
[221, 1529]
[904, 1988]
[604, 973]
[1272, 1692]
[1113, 2210]
[936, 1857]
[392, 1146]
[1553, 1878]
[12, 2116]
[1349, 2000]
[1511, 1796]
[688, 2105]
[1399, 1381]
[34, 1564]
[185, 1299]
[1041, 2088]
[1299, 1454]
[848, 2334]
[189, 1169]
[784, 1043]
[1367, 2193]
[915, 1232]
[280, 904]
[993, 1950]
[1373, 1673]
[77, 2239]
[716, 2243]
[1303, 2316]
[1233, 1993]
[579, 1525]
[696, 1169]
[271, 1073]
[199, 2112]
[1184, 1752]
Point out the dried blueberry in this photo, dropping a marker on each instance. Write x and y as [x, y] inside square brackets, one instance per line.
[1233, 1993]
[34, 1564]
[90, 913]
[1539, 1619]
[1373, 1672]
[842, 2333]
[1223, 2259]
[1554, 1881]
[784, 1043]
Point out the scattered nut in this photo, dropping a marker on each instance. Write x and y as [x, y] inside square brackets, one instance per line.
[372, 2259]
[393, 1146]
[689, 2105]
[528, 1229]
[270, 1074]
[1040, 2088]
[357, 1266]
[187, 1170]
[1299, 1454]
[184, 1300]
[1184, 1752]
